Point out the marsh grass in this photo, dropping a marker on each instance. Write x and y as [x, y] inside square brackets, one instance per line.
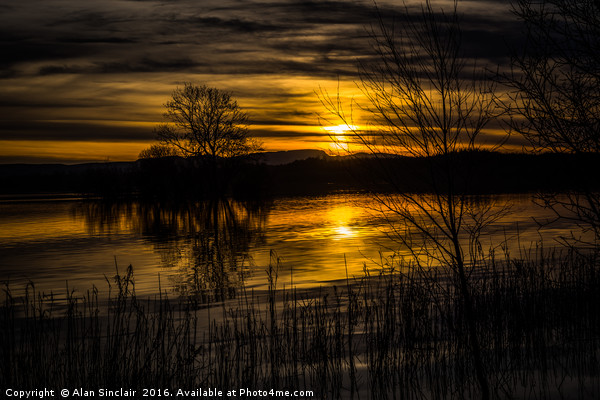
[398, 335]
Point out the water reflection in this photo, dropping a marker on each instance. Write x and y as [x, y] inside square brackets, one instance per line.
[200, 247]
[207, 242]
[342, 217]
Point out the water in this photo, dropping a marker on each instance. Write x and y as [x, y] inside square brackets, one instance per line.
[71, 244]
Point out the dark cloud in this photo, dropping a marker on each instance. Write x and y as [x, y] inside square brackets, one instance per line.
[7, 104]
[287, 133]
[330, 35]
[235, 25]
[88, 40]
[18, 50]
[144, 65]
[322, 12]
[57, 56]
[72, 131]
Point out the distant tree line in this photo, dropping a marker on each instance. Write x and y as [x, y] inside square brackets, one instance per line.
[171, 176]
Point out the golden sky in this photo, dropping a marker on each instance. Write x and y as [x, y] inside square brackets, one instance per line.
[86, 81]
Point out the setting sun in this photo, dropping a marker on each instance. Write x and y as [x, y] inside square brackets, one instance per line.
[340, 129]
[339, 136]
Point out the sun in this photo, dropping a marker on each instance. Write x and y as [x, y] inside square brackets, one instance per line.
[344, 232]
[340, 129]
[339, 136]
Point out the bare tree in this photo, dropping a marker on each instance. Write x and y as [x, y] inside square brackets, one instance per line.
[556, 97]
[158, 151]
[205, 121]
[427, 99]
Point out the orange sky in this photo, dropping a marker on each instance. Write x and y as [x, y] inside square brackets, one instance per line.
[294, 123]
[86, 81]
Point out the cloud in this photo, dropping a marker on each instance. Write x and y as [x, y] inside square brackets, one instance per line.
[74, 131]
[251, 37]
[143, 65]
[122, 58]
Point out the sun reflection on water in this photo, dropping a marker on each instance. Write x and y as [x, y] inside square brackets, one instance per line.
[343, 232]
[340, 219]
[318, 239]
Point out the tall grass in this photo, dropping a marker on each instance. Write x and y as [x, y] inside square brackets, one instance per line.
[397, 335]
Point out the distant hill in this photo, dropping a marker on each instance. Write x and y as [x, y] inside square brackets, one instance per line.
[303, 172]
[124, 177]
[287, 157]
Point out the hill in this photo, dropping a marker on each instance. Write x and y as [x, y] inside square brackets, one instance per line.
[304, 172]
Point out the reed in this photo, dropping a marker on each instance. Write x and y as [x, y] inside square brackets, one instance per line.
[401, 335]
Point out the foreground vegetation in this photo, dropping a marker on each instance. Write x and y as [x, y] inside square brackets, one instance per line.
[398, 335]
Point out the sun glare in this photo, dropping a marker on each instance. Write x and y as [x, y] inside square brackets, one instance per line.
[339, 137]
[340, 129]
[343, 232]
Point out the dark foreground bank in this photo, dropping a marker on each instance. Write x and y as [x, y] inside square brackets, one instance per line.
[398, 335]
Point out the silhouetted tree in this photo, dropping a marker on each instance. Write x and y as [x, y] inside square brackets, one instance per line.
[158, 151]
[205, 121]
[424, 103]
[556, 101]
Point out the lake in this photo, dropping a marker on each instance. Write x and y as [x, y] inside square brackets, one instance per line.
[72, 244]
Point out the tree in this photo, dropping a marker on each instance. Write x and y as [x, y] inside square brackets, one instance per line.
[158, 151]
[423, 101]
[556, 99]
[205, 121]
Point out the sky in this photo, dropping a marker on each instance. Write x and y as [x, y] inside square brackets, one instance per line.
[87, 80]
